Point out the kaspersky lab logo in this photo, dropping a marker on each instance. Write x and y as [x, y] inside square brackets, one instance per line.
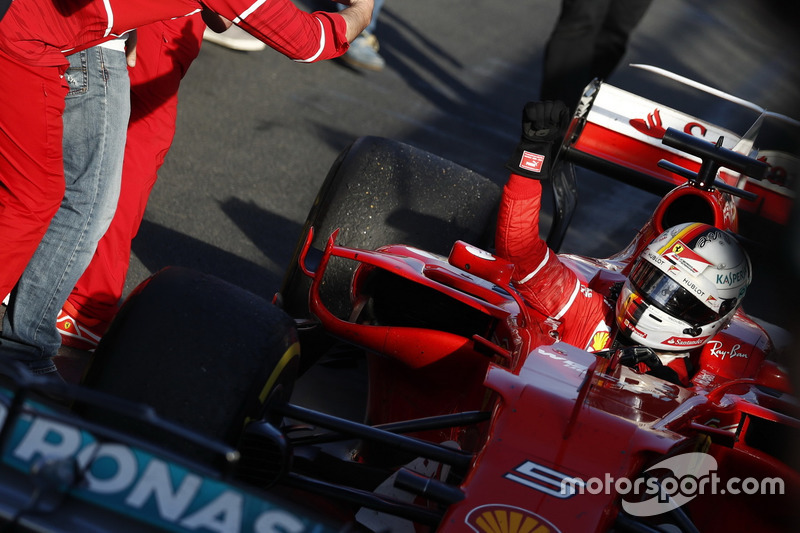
[657, 492]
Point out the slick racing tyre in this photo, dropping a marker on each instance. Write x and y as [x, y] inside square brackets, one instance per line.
[380, 192]
[200, 351]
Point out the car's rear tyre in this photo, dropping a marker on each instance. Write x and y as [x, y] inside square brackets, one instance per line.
[380, 192]
[200, 351]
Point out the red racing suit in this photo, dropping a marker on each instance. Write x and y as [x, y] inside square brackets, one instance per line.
[548, 284]
[585, 318]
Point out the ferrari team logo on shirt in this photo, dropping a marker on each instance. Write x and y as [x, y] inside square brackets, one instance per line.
[531, 161]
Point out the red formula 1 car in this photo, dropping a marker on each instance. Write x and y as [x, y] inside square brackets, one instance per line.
[474, 417]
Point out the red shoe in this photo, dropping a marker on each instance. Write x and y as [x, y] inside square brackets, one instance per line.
[76, 334]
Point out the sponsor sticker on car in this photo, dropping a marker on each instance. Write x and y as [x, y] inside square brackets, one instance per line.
[141, 485]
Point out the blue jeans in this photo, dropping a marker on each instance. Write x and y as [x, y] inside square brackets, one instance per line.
[95, 125]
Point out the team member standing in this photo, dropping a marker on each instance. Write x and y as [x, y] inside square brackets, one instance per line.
[588, 41]
[95, 118]
[164, 52]
[34, 38]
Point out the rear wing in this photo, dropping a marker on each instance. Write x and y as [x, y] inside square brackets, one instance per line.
[618, 133]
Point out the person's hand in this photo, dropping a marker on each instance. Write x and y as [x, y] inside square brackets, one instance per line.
[130, 49]
[545, 121]
[357, 15]
[544, 125]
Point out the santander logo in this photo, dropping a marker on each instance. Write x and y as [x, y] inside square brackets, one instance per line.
[653, 126]
[686, 342]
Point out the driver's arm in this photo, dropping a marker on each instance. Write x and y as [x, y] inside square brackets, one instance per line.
[538, 273]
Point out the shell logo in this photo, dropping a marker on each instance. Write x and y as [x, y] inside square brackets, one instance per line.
[507, 519]
[599, 341]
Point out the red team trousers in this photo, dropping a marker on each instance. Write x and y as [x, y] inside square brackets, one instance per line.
[31, 180]
[164, 52]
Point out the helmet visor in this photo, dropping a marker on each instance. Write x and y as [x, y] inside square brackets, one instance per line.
[660, 290]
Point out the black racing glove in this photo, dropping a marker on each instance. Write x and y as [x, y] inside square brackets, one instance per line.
[635, 355]
[644, 360]
[544, 125]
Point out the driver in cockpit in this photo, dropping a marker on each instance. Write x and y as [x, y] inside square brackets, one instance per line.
[682, 289]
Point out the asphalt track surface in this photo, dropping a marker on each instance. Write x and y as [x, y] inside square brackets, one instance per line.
[257, 133]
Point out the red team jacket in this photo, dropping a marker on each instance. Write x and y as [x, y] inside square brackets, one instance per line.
[35, 35]
[38, 33]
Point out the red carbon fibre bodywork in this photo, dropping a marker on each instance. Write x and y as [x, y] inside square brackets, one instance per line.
[560, 417]
[559, 412]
